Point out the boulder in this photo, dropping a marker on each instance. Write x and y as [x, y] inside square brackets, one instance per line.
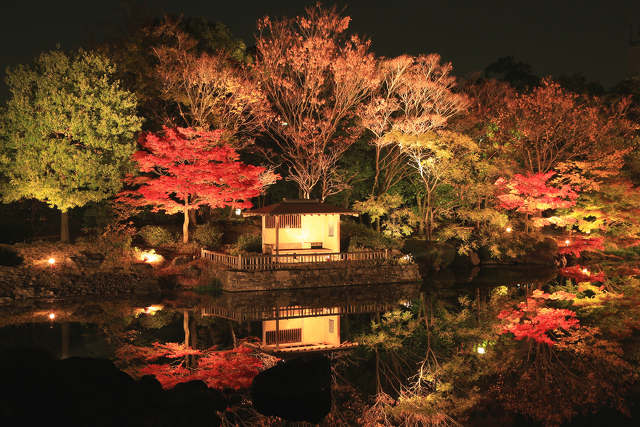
[296, 390]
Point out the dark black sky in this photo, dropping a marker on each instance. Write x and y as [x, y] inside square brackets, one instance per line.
[555, 37]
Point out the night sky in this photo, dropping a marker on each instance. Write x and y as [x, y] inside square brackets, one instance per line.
[555, 37]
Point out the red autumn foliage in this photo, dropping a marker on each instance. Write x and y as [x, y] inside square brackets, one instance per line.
[532, 320]
[185, 168]
[530, 194]
[579, 244]
[582, 274]
[233, 368]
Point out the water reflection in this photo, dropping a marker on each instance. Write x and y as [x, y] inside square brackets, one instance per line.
[378, 337]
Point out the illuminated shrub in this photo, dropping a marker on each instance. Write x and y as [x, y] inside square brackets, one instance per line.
[247, 243]
[155, 235]
[208, 235]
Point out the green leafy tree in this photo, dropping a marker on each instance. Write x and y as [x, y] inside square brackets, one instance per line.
[68, 132]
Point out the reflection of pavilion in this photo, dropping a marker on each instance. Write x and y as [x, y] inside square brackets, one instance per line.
[307, 319]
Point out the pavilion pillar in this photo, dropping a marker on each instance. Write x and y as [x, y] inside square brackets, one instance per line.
[277, 327]
[277, 235]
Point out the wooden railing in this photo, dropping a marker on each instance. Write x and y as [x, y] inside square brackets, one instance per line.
[273, 262]
[284, 336]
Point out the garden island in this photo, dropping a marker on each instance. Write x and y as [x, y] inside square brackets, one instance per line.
[305, 230]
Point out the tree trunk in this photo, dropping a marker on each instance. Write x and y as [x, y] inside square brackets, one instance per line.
[185, 225]
[64, 226]
[185, 327]
[193, 218]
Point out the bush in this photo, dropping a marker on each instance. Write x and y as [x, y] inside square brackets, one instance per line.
[155, 235]
[247, 243]
[208, 235]
[214, 288]
[358, 237]
[10, 257]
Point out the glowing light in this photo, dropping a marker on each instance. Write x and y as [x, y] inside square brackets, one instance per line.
[508, 229]
[585, 271]
[150, 257]
[284, 123]
[481, 350]
[150, 310]
[52, 316]
[51, 261]
[567, 242]
[238, 211]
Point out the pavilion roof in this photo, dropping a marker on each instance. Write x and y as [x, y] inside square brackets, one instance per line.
[310, 206]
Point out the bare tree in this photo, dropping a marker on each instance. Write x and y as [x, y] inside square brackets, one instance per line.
[314, 75]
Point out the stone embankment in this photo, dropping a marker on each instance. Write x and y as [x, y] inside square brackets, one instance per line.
[317, 276]
[74, 271]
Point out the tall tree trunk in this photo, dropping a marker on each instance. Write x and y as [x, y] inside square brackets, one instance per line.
[193, 218]
[64, 226]
[185, 225]
[185, 327]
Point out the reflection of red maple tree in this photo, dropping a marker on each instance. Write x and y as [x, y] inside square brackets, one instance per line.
[578, 244]
[535, 321]
[233, 368]
[187, 168]
[582, 274]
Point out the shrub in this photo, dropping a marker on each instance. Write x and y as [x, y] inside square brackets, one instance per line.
[360, 237]
[247, 243]
[10, 257]
[208, 235]
[214, 288]
[155, 235]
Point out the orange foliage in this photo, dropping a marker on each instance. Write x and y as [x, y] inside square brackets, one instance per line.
[550, 125]
[315, 75]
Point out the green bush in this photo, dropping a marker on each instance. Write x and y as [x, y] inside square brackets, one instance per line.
[208, 235]
[155, 235]
[10, 257]
[359, 236]
[247, 243]
[214, 288]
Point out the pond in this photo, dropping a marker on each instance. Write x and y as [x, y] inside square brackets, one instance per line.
[477, 347]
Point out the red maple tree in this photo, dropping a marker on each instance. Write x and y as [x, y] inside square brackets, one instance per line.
[531, 195]
[185, 168]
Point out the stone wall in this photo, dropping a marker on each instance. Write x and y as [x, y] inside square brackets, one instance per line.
[321, 276]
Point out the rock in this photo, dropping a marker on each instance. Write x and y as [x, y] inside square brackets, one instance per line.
[142, 269]
[192, 271]
[296, 390]
[84, 391]
[181, 260]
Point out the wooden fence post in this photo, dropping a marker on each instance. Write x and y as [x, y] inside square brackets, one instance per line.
[240, 261]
